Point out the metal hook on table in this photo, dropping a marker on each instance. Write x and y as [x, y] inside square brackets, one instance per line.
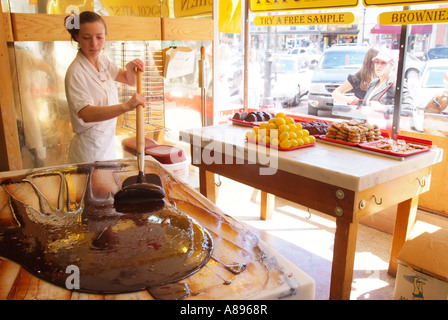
[219, 183]
[309, 215]
[376, 201]
[421, 183]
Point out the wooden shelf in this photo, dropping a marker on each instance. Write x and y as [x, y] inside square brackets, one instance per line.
[50, 27]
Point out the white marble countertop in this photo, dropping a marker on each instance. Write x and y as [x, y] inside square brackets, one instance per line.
[349, 168]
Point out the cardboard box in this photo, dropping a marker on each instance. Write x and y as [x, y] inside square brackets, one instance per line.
[422, 272]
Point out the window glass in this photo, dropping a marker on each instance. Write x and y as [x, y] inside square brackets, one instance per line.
[38, 72]
[324, 56]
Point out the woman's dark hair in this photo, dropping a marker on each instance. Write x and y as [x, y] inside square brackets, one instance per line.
[74, 21]
[367, 71]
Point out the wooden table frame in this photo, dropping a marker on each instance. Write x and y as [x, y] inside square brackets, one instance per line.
[347, 206]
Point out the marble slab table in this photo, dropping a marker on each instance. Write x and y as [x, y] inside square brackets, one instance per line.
[347, 184]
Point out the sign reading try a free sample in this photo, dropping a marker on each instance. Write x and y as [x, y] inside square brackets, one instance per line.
[278, 5]
[319, 18]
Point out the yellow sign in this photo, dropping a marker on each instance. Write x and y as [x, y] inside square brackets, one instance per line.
[64, 6]
[318, 18]
[230, 16]
[414, 17]
[137, 8]
[390, 3]
[278, 5]
[191, 8]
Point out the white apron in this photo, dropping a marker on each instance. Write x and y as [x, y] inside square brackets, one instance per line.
[94, 144]
[86, 86]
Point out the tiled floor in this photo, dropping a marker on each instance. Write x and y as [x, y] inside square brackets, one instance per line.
[306, 239]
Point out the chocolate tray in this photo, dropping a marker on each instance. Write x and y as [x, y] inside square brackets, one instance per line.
[246, 123]
[255, 123]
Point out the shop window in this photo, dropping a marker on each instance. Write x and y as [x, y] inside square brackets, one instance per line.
[426, 83]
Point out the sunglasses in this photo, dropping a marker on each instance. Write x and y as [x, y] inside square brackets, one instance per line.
[381, 63]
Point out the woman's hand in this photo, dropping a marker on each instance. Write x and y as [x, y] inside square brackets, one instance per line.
[377, 106]
[129, 75]
[354, 101]
[131, 70]
[136, 99]
[134, 65]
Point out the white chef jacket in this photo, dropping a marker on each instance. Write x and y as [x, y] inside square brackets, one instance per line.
[84, 85]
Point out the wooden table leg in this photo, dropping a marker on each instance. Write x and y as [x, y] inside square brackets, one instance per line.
[266, 205]
[343, 259]
[207, 184]
[406, 215]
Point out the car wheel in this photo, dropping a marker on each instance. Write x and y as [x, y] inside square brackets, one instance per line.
[411, 74]
[296, 100]
[313, 64]
[312, 111]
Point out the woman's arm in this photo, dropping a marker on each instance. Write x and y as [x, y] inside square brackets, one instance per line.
[339, 93]
[101, 113]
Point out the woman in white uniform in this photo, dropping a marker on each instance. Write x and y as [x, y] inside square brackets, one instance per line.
[91, 92]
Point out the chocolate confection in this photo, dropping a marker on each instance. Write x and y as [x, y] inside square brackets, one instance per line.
[115, 252]
[259, 116]
[251, 117]
[179, 248]
[266, 116]
[240, 115]
[316, 127]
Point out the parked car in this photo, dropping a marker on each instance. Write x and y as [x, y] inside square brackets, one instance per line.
[413, 66]
[336, 64]
[289, 81]
[307, 56]
[437, 53]
[431, 81]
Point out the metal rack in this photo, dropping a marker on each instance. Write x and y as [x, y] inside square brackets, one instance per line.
[152, 83]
